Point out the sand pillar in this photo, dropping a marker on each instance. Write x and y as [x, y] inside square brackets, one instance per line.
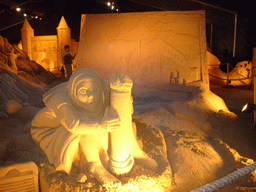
[254, 79]
[254, 97]
[121, 154]
[253, 66]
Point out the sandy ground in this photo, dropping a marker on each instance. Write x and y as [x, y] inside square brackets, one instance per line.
[242, 139]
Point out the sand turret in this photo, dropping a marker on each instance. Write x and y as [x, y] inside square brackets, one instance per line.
[64, 37]
[27, 33]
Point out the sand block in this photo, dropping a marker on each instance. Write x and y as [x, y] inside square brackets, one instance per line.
[12, 107]
[19, 177]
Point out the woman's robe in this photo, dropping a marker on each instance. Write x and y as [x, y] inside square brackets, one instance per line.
[53, 127]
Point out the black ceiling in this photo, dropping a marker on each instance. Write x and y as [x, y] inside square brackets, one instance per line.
[217, 11]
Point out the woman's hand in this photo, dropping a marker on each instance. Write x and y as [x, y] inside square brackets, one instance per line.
[109, 123]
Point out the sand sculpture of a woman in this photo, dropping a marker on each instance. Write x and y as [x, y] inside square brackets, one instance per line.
[87, 117]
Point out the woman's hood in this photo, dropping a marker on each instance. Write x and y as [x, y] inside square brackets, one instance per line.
[69, 88]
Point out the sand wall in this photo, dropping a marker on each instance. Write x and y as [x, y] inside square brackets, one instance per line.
[153, 48]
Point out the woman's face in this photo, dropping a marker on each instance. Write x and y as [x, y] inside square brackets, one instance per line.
[88, 92]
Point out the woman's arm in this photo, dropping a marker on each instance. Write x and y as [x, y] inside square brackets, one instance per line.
[74, 125]
[97, 128]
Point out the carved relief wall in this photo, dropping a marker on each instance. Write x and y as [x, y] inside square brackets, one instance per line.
[153, 48]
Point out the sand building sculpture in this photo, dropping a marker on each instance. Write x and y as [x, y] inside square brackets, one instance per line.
[46, 50]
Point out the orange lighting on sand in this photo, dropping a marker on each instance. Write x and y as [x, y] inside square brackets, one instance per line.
[146, 184]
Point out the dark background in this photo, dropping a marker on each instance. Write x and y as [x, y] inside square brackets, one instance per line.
[220, 19]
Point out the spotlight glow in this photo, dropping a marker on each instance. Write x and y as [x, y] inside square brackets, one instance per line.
[248, 108]
[18, 9]
[245, 107]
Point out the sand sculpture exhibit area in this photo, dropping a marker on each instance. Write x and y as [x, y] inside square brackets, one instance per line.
[191, 127]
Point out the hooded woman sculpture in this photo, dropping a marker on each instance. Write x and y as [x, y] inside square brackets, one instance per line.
[85, 118]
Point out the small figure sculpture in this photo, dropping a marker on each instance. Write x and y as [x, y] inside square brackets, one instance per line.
[87, 119]
[7, 51]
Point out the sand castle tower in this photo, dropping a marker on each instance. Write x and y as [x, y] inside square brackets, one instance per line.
[27, 33]
[63, 37]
